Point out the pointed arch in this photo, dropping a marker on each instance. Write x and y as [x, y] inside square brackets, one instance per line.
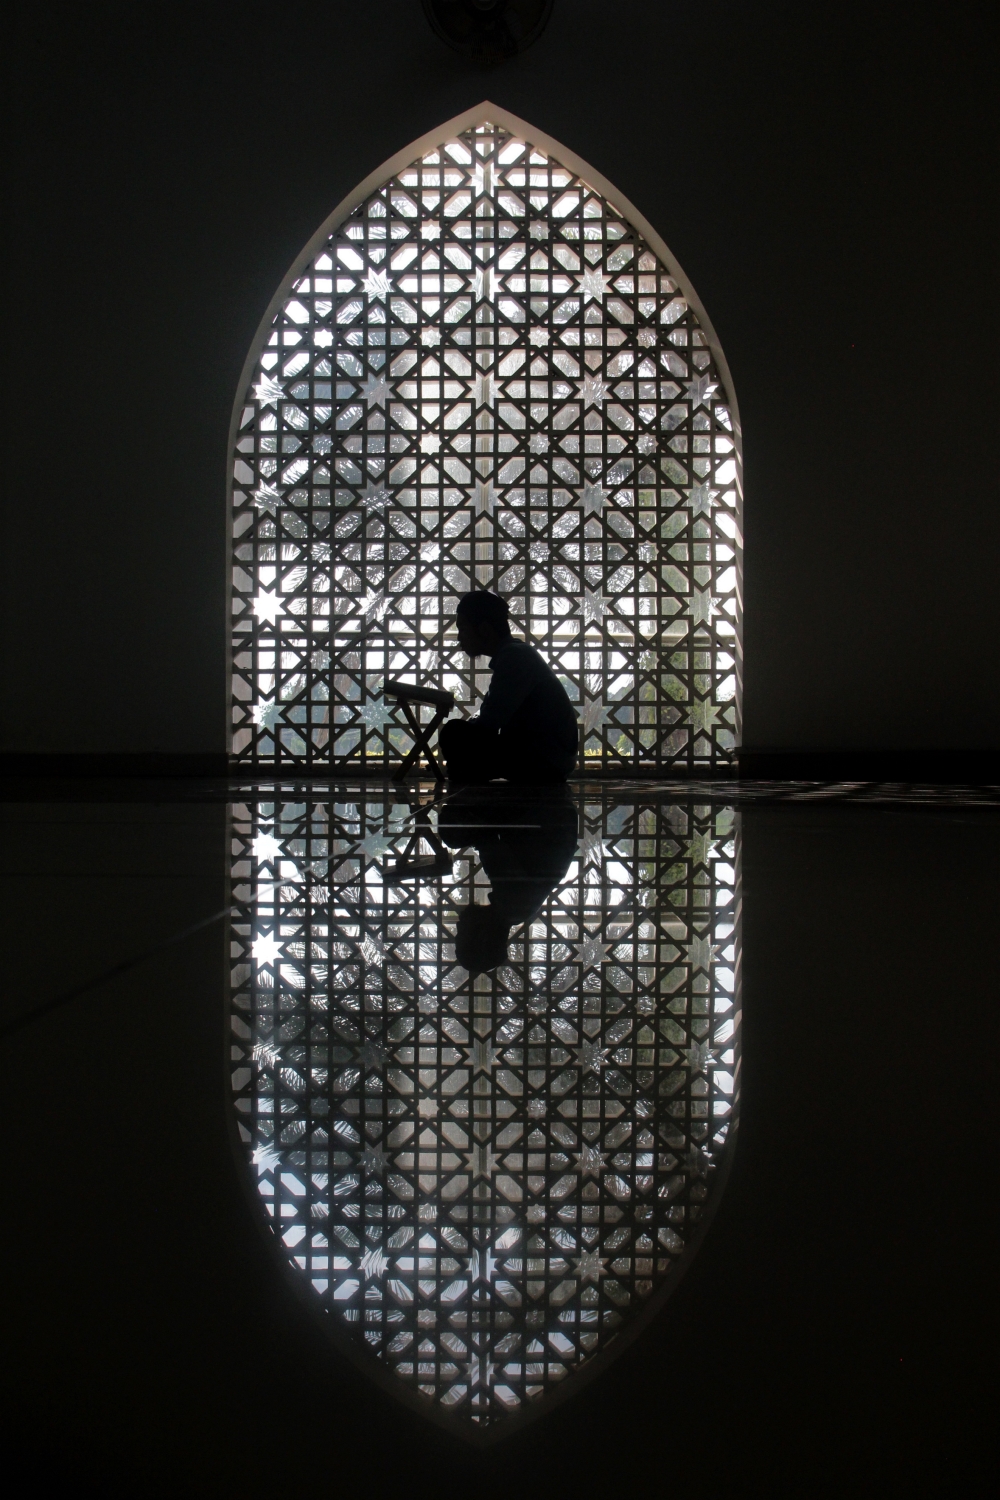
[486, 368]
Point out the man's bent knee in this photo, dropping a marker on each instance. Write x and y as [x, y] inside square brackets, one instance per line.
[469, 750]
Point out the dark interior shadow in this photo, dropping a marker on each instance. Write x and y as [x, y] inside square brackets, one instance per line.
[526, 842]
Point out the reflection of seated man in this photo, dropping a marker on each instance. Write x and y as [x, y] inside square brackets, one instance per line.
[525, 845]
[526, 729]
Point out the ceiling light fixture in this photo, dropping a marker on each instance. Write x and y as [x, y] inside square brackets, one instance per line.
[488, 31]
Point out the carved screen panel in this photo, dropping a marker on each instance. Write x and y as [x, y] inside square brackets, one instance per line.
[486, 376]
[480, 1180]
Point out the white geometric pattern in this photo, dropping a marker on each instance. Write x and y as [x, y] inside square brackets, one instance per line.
[483, 1179]
[486, 376]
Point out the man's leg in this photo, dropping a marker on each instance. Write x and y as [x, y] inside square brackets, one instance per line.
[519, 761]
[469, 751]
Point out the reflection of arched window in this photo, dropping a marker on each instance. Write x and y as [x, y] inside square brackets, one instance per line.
[481, 1179]
[484, 372]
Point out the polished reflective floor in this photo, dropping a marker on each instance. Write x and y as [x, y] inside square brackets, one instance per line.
[349, 1128]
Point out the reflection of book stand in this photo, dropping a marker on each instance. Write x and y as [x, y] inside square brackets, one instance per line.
[410, 699]
[411, 864]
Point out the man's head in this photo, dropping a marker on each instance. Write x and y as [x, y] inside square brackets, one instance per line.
[483, 623]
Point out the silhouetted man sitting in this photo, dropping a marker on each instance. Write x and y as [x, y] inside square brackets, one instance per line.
[526, 729]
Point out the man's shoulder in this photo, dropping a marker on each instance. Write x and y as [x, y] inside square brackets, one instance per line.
[518, 653]
[512, 649]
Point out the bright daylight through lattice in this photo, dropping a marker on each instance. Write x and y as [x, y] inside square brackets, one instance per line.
[486, 377]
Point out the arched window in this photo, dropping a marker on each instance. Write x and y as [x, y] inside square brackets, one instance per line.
[486, 370]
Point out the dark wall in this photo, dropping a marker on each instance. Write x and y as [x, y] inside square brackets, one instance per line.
[822, 174]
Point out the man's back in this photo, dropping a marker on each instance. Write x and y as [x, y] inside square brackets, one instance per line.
[528, 704]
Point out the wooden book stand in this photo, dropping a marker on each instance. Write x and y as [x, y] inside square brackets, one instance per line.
[410, 698]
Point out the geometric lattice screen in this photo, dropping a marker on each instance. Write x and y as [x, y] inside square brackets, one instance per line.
[484, 373]
[480, 1182]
